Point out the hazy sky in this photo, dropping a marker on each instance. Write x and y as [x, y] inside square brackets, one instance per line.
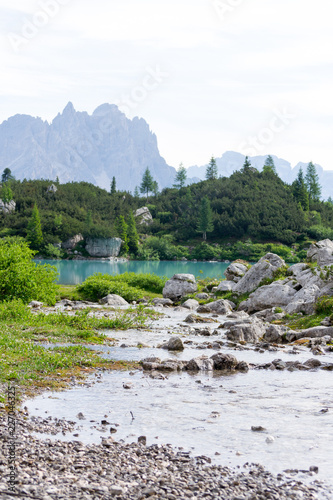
[253, 76]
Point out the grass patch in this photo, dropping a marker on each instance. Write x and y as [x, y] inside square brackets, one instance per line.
[303, 322]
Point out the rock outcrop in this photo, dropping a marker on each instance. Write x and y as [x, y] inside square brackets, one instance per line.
[235, 271]
[103, 247]
[321, 252]
[264, 268]
[143, 216]
[71, 243]
[7, 208]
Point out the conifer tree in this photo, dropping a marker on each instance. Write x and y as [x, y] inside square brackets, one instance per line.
[269, 166]
[300, 192]
[147, 183]
[34, 230]
[246, 165]
[211, 170]
[205, 223]
[181, 176]
[312, 182]
[136, 192]
[122, 233]
[132, 234]
[113, 189]
[6, 194]
[7, 175]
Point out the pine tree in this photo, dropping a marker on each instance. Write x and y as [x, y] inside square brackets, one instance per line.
[136, 192]
[211, 171]
[34, 230]
[312, 182]
[113, 188]
[181, 177]
[269, 166]
[7, 175]
[155, 188]
[247, 165]
[205, 224]
[132, 234]
[300, 192]
[147, 183]
[122, 233]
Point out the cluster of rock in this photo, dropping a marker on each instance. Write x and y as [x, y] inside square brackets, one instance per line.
[7, 208]
[219, 361]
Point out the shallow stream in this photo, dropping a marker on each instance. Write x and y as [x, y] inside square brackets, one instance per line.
[206, 413]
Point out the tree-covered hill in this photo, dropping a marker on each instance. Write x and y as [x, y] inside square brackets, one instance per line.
[248, 204]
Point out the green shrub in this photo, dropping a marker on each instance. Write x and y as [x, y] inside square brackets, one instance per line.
[324, 305]
[21, 278]
[130, 286]
[161, 249]
[14, 310]
[204, 251]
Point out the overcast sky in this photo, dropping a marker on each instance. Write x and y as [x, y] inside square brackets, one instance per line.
[253, 76]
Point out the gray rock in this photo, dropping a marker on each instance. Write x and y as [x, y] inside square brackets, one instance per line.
[225, 286]
[264, 268]
[35, 304]
[162, 302]
[274, 334]
[103, 247]
[304, 300]
[321, 252]
[113, 300]
[179, 286]
[277, 294]
[202, 296]
[220, 306]
[175, 344]
[314, 332]
[191, 304]
[247, 332]
[202, 363]
[224, 361]
[235, 270]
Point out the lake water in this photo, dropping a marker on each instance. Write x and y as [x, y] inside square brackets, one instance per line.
[73, 272]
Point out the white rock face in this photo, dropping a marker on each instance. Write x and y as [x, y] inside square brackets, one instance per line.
[179, 286]
[321, 252]
[72, 242]
[77, 146]
[7, 208]
[103, 247]
[264, 268]
[144, 216]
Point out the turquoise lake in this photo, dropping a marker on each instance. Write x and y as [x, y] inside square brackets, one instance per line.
[73, 272]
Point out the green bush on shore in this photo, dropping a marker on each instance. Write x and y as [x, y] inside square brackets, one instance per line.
[130, 286]
[21, 278]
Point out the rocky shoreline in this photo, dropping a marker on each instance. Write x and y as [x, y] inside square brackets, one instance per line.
[51, 469]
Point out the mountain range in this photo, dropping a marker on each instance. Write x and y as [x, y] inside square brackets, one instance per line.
[77, 146]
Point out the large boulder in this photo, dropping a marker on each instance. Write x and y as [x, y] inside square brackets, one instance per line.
[314, 332]
[304, 300]
[179, 286]
[219, 306]
[113, 300]
[203, 363]
[143, 216]
[264, 268]
[226, 286]
[103, 247]
[321, 252]
[247, 332]
[277, 294]
[224, 361]
[235, 271]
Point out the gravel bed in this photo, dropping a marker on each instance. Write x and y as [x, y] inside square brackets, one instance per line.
[51, 469]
